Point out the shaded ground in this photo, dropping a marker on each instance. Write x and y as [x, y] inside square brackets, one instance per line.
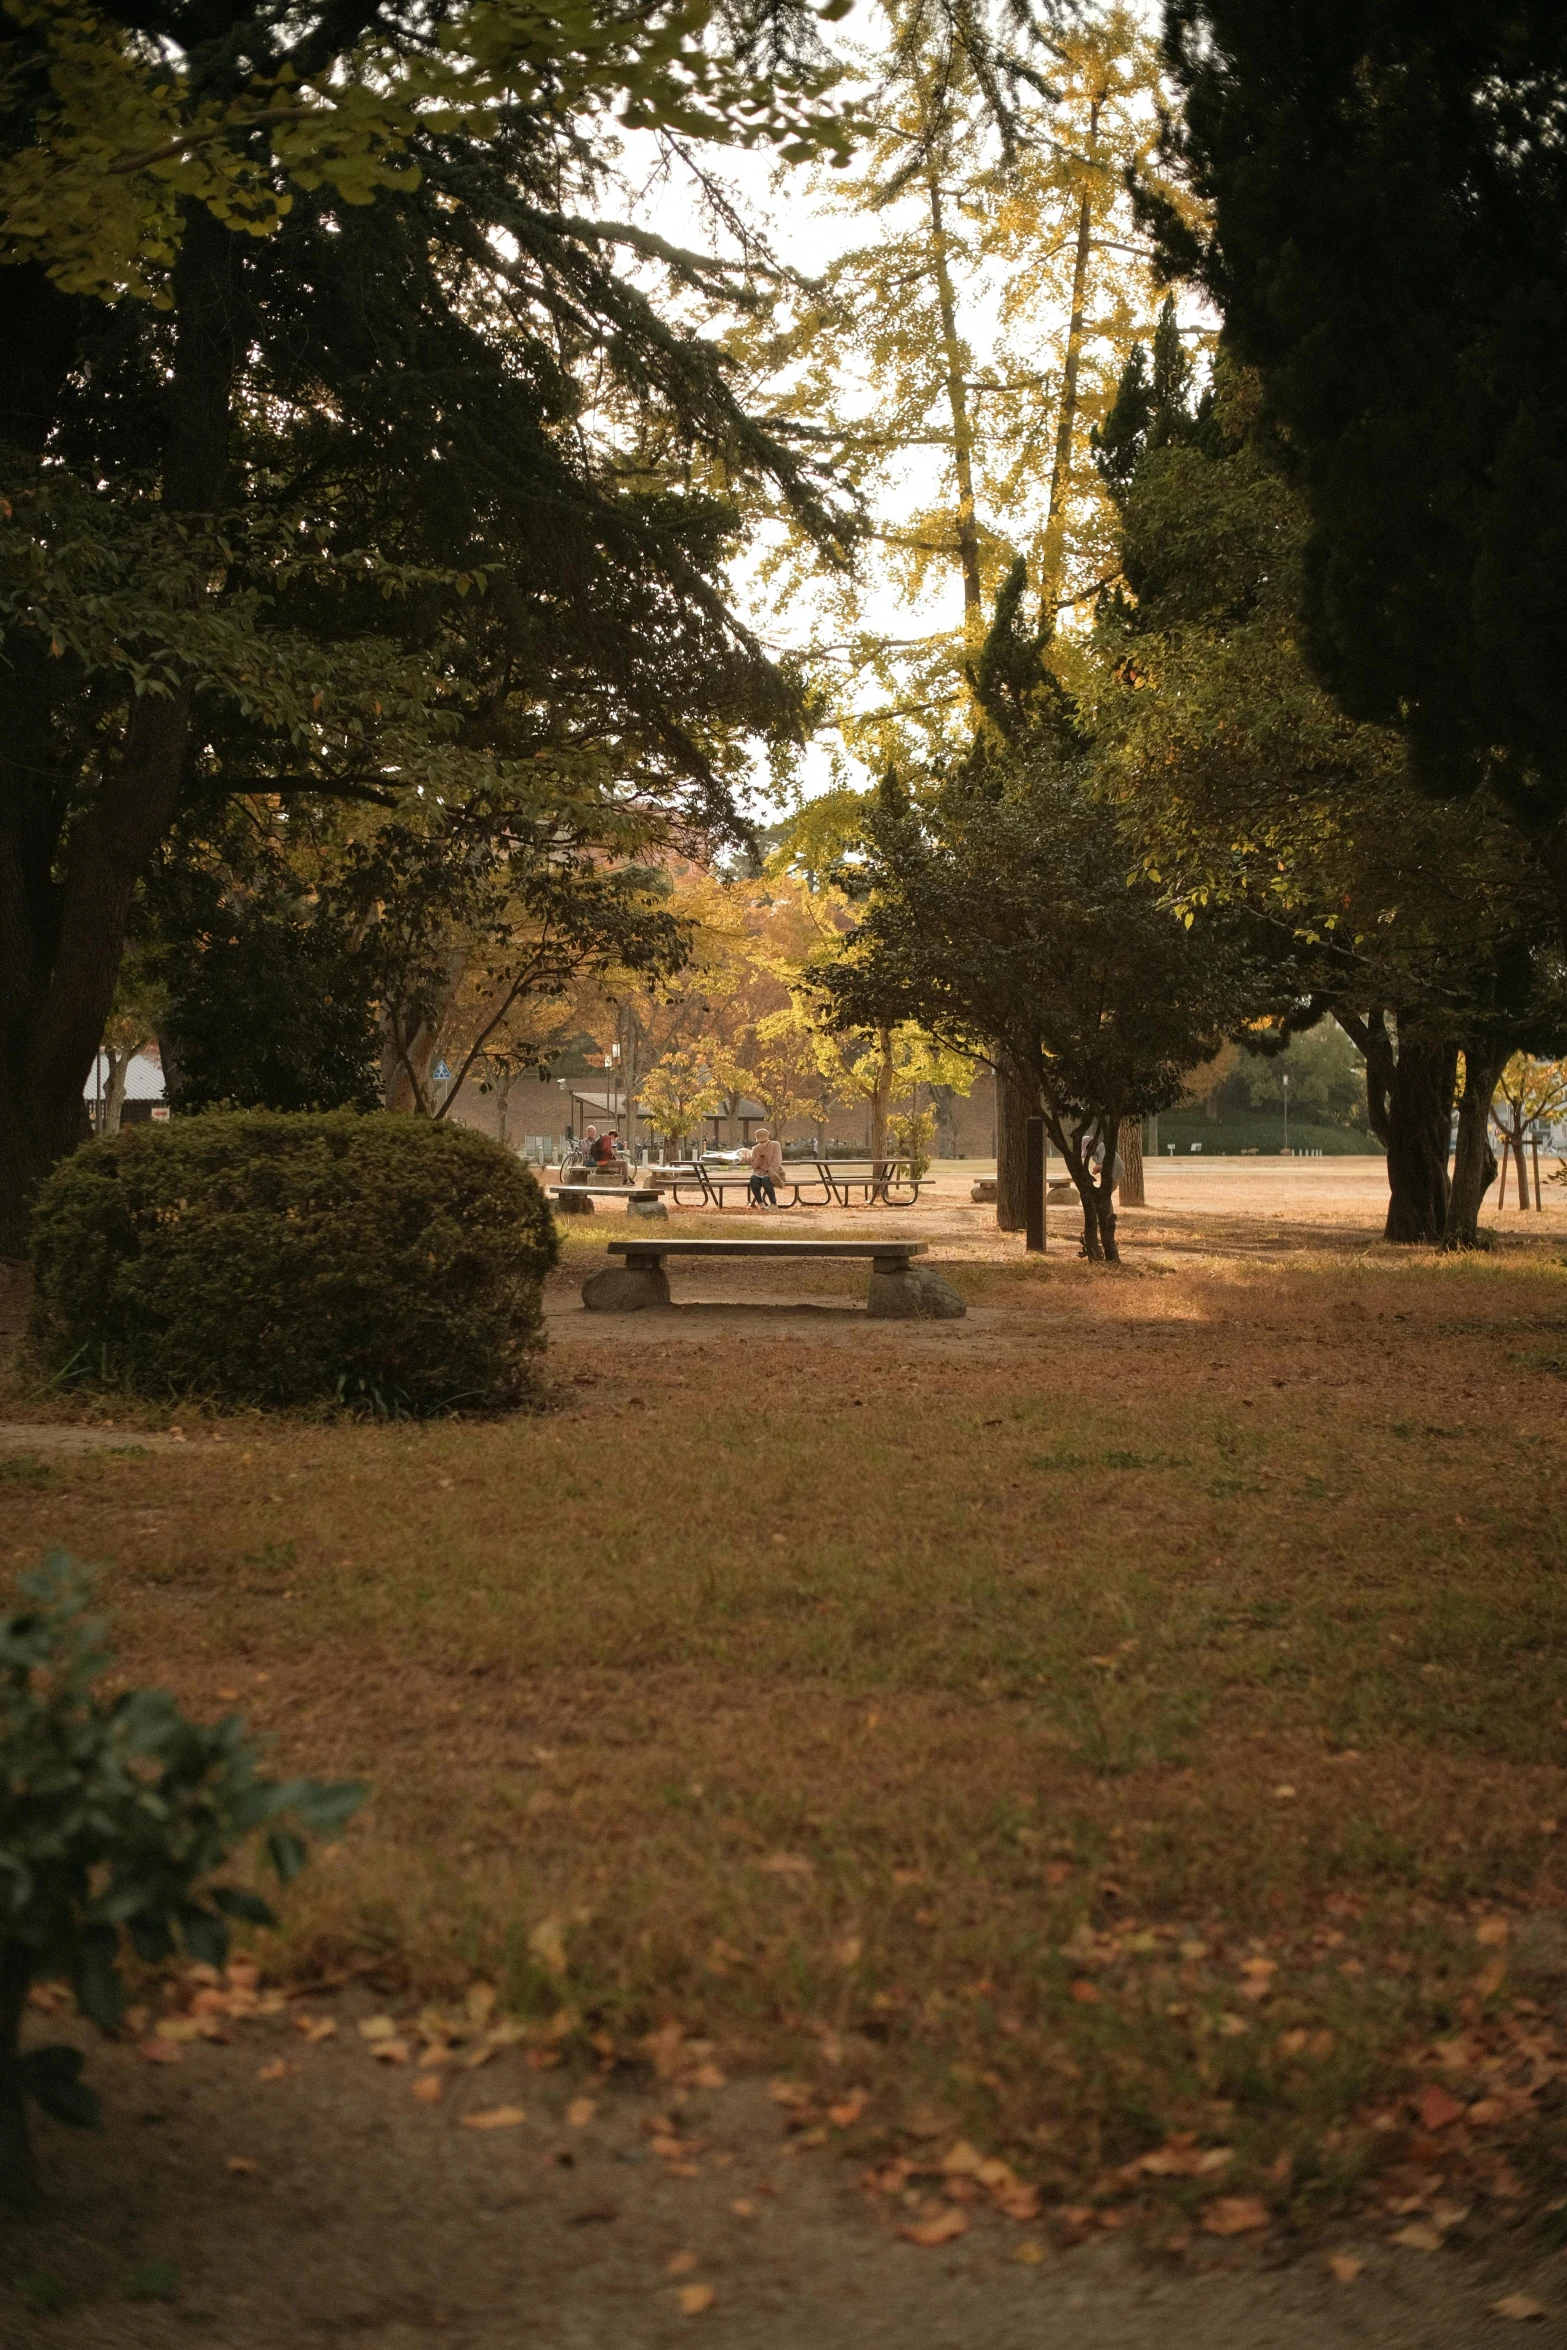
[370, 2220]
[900, 1710]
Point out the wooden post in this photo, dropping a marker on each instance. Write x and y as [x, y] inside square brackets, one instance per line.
[1034, 1189]
[1534, 1145]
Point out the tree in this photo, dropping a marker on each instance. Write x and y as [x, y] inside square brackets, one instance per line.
[1530, 1094]
[117, 1815]
[680, 1093]
[1244, 784]
[1385, 233]
[956, 356]
[140, 1006]
[351, 458]
[1000, 912]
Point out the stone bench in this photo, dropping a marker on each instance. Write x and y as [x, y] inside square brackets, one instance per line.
[899, 1289]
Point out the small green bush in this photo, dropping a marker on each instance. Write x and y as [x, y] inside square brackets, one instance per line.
[267, 1259]
[115, 1814]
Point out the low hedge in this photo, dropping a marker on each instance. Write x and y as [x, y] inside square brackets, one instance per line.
[259, 1258]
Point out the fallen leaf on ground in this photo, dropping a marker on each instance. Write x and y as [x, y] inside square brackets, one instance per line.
[159, 2052]
[548, 1944]
[707, 2076]
[848, 2110]
[278, 2070]
[680, 2264]
[1451, 2215]
[1017, 2202]
[695, 2298]
[581, 2111]
[1346, 2266]
[429, 2088]
[786, 1864]
[849, 1950]
[742, 2209]
[1518, 2305]
[1438, 2107]
[315, 2027]
[663, 2049]
[495, 2117]
[1087, 1994]
[1030, 2252]
[963, 2161]
[178, 2027]
[941, 2229]
[1283, 1794]
[1492, 1933]
[595, 2212]
[390, 2051]
[1419, 2236]
[1235, 2215]
[242, 2166]
[480, 2001]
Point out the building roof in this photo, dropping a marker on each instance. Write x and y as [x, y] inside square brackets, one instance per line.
[143, 1079]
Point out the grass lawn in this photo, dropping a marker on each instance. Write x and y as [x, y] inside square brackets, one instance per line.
[1128, 1723]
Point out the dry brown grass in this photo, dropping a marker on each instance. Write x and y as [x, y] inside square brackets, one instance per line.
[857, 1701]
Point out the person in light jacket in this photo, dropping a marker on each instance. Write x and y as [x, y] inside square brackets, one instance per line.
[766, 1167]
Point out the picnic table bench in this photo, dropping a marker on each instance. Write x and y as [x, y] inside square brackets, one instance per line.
[567, 1196]
[898, 1288]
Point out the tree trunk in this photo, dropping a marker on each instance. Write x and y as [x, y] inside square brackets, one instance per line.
[1017, 1100]
[63, 911]
[1409, 1100]
[1130, 1149]
[1474, 1161]
[957, 402]
[1419, 1118]
[114, 1092]
[881, 1098]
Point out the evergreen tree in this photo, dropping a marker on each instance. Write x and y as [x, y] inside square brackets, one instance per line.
[1385, 234]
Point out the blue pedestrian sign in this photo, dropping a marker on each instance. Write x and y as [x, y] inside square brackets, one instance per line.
[442, 1073]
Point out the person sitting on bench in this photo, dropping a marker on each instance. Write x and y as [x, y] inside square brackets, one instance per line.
[766, 1167]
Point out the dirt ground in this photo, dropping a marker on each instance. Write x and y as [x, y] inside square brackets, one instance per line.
[370, 2220]
[329, 2204]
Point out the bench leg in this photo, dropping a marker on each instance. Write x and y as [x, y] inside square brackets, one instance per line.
[627, 1289]
[911, 1293]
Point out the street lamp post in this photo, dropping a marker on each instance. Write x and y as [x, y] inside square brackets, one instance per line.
[1285, 1074]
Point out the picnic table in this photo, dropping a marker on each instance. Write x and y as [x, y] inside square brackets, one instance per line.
[888, 1183]
[898, 1288]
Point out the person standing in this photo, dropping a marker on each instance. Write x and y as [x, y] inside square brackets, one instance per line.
[766, 1167]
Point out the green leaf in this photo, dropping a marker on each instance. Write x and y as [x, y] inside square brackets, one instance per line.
[235, 1902]
[288, 1853]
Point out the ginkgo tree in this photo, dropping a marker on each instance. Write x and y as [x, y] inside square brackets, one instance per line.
[1530, 1099]
[959, 352]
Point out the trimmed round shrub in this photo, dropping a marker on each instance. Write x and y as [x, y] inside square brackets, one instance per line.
[260, 1258]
